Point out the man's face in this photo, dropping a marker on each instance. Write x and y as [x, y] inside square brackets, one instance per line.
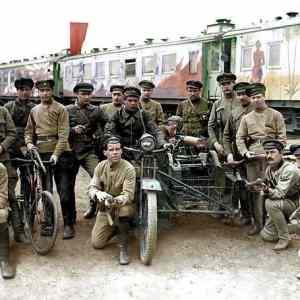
[227, 87]
[113, 152]
[117, 98]
[146, 93]
[259, 101]
[84, 98]
[243, 98]
[132, 103]
[24, 93]
[274, 157]
[193, 93]
[45, 94]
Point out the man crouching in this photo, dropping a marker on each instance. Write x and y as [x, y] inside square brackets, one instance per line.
[113, 185]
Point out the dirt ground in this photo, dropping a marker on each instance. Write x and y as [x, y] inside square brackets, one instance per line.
[198, 257]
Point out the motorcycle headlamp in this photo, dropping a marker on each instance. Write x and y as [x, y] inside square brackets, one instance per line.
[147, 142]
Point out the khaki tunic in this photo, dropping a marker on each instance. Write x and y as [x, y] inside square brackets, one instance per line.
[194, 115]
[219, 115]
[3, 194]
[110, 109]
[257, 126]
[48, 128]
[231, 128]
[155, 110]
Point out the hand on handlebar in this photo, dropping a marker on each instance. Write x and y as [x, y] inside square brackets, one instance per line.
[249, 154]
[169, 146]
[103, 197]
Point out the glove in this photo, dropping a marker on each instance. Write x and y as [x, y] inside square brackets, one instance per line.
[102, 196]
[54, 159]
[121, 200]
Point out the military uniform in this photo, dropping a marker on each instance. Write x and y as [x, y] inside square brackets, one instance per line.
[110, 109]
[117, 180]
[281, 200]
[7, 139]
[48, 128]
[194, 115]
[154, 109]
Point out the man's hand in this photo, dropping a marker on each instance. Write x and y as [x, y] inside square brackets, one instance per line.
[230, 158]
[219, 148]
[249, 154]
[1, 149]
[54, 159]
[121, 200]
[79, 129]
[102, 196]
[31, 147]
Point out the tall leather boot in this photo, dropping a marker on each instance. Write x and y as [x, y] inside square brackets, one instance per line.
[7, 271]
[17, 224]
[123, 238]
[91, 211]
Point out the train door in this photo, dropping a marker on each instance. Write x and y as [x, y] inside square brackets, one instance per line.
[219, 57]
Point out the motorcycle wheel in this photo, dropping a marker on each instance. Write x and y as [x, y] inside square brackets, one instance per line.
[148, 230]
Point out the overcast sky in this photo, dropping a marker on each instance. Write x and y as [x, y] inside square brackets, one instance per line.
[37, 27]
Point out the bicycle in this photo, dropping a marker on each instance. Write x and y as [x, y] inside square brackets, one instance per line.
[38, 208]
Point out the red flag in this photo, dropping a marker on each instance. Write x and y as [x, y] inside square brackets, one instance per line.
[77, 36]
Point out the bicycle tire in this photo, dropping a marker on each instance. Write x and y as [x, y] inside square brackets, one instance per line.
[43, 244]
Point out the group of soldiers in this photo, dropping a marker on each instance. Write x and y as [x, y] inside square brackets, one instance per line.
[238, 126]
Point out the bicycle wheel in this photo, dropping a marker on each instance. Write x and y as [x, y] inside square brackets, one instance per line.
[148, 230]
[44, 223]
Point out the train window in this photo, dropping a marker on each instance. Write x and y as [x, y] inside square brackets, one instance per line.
[114, 68]
[76, 70]
[246, 57]
[68, 73]
[274, 55]
[168, 63]
[87, 71]
[130, 67]
[100, 69]
[193, 63]
[148, 64]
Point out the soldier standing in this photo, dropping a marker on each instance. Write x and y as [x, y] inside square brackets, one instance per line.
[19, 110]
[48, 129]
[149, 105]
[281, 190]
[113, 186]
[193, 110]
[221, 111]
[85, 120]
[260, 124]
[117, 95]
[229, 142]
[7, 139]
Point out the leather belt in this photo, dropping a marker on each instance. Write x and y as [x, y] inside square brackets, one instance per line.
[47, 138]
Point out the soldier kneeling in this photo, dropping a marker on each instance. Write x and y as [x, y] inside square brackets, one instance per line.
[113, 186]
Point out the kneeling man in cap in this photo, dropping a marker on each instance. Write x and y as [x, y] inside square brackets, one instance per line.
[281, 192]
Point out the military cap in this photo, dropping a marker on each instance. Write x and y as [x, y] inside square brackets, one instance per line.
[194, 83]
[113, 140]
[226, 77]
[241, 87]
[273, 144]
[146, 84]
[45, 84]
[116, 87]
[24, 82]
[256, 88]
[295, 149]
[132, 91]
[84, 87]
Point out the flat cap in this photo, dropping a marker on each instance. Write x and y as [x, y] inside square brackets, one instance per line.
[146, 84]
[132, 91]
[24, 82]
[116, 87]
[84, 87]
[241, 87]
[226, 77]
[273, 144]
[194, 83]
[256, 89]
[295, 149]
[44, 84]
